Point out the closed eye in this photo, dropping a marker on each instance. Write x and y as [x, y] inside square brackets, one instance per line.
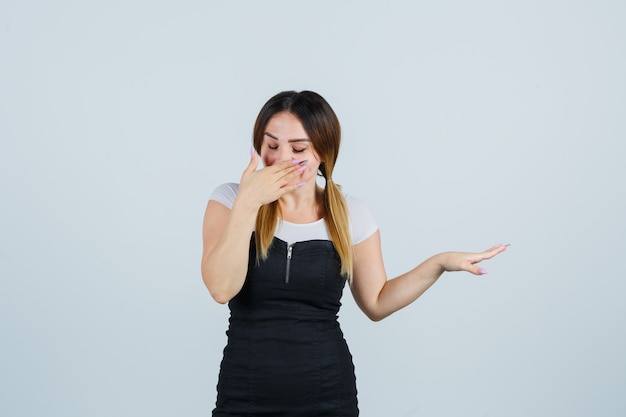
[293, 149]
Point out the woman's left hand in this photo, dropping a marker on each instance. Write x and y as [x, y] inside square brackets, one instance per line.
[467, 261]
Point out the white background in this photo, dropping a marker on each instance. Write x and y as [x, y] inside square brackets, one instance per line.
[466, 124]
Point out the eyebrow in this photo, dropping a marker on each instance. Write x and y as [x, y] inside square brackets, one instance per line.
[290, 140]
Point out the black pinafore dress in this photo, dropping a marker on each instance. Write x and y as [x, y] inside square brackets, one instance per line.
[286, 354]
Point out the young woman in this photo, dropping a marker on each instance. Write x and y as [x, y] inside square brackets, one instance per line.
[279, 248]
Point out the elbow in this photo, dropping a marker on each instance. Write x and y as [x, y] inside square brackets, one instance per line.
[222, 292]
[220, 298]
[375, 316]
[373, 311]
[218, 294]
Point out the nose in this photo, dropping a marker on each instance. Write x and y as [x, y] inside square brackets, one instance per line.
[284, 153]
[281, 154]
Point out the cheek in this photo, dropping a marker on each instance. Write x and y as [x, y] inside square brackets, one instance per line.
[311, 168]
[267, 160]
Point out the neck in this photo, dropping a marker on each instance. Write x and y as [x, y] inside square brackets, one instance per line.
[303, 205]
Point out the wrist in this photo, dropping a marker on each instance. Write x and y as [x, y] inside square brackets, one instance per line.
[246, 205]
[440, 261]
[245, 209]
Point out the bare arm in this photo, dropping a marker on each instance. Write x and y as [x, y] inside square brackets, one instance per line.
[226, 238]
[379, 297]
[226, 233]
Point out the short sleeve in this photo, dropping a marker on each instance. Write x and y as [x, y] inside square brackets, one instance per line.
[362, 223]
[225, 194]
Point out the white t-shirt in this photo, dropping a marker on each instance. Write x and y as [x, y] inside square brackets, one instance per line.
[362, 223]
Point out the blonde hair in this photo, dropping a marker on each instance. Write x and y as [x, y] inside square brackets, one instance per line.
[322, 125]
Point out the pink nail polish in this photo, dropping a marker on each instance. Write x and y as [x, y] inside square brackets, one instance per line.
[251, 151]
[296, 161]
[482, 271]
[301, 184]
[300, 170]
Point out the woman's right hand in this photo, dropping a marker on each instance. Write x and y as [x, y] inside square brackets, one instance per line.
[263, 186]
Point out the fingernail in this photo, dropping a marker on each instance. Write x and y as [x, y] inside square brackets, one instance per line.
[304, 162]
[295, 161]
[300, 169]
[301, 184]
[482, 271]
[251, 151]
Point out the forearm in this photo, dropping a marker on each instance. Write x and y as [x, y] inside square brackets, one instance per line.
[225, 266]
[379, 297]
[401, 291]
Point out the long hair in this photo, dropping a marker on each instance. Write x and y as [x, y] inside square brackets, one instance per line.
[321, 124]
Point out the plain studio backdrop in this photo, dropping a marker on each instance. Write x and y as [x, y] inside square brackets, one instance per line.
[465, 124]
